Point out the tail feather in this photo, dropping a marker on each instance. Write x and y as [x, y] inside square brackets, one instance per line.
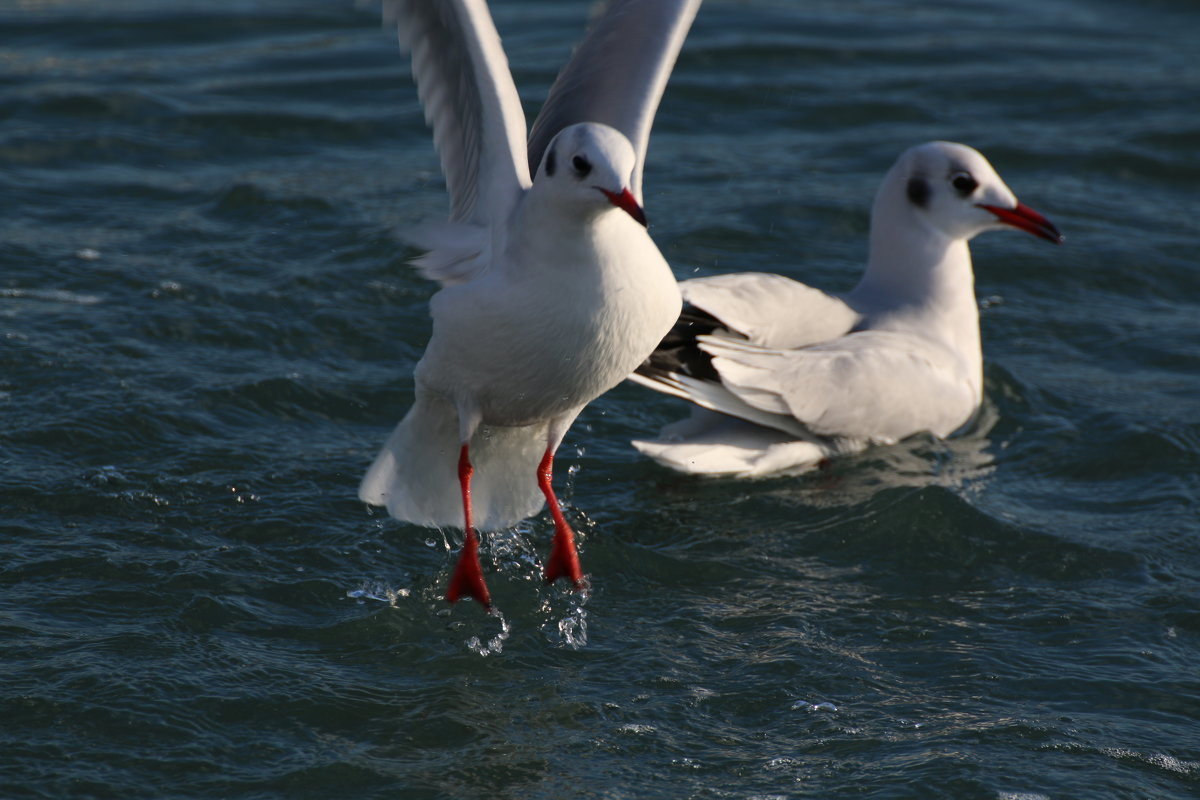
[416, 474]
[708, 443]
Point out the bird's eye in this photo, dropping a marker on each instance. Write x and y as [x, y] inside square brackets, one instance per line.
[582, 166]
[963, 183]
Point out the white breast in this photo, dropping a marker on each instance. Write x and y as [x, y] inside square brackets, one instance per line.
[554, 325]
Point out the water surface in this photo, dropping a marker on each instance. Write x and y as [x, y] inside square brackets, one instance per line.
[208, 329]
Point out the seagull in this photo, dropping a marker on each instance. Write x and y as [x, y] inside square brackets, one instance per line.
[784, 376]
[552, 291]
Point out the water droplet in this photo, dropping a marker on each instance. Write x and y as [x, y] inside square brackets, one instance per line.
[378, 592]
[573, 629]
[821, 706]
[495, 645]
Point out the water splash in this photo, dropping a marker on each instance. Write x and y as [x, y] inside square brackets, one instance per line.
[432, 541]
[494, 645]
[242, 495]
[823, 705]
[573, 628]
[512, 548]
[379, 592]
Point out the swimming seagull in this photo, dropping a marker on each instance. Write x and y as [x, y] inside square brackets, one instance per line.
[784, 375]
[552, 290]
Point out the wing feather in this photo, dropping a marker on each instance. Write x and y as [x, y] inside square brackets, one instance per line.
[877, 386]
[771, 310]
[617, 74]
[470, 101]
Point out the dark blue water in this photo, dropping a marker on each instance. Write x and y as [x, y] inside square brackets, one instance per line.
[207, 329]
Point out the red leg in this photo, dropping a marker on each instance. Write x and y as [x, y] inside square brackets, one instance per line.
[468, 574]
[564, 560]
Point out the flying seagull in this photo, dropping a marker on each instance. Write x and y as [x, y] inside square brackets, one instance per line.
[552, 290]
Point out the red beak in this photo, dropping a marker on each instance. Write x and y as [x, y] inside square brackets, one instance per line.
[1028, 220]
[626, 202]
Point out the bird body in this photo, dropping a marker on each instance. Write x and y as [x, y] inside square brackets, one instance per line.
[784, 375]
[552, 290]
[562, 318]
[567, 312]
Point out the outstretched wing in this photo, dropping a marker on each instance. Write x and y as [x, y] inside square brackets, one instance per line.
[470, 101]
[617, 74]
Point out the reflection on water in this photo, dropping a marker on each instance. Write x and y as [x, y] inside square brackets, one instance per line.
[963, 463]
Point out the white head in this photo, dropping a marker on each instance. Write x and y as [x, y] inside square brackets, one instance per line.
[952, 190]
[588, 166]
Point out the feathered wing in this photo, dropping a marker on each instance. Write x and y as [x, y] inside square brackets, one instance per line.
[761, 309]
[455, 252]
[617, 74]
[871, 386]
[715, 396]
[470, 101]
[771, 310]
[472, 105]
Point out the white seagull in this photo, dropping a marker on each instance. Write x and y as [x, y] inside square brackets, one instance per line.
[784, 376]
[552, 290]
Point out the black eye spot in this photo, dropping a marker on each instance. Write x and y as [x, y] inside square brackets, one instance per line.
[918, 192]
[582, 166]
[551, 163]
[963, 183]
